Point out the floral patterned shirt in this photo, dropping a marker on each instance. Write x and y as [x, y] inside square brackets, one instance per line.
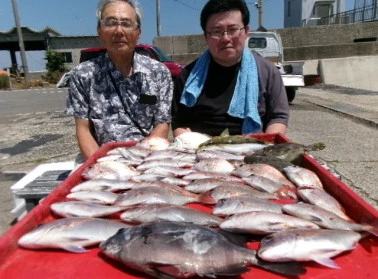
[96, 88]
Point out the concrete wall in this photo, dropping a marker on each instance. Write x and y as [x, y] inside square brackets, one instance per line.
[329, 51]
[300, 43]
[354, 72]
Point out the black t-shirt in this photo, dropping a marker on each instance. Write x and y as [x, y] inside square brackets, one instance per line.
[209, 114]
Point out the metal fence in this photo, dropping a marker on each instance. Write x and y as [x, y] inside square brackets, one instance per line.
[364, 14]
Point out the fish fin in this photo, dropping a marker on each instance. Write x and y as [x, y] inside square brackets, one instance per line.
[74, 248]
[326, 261]
[225, 133]
[239, 239]
[119, 198]
[283, 268]
[228, 271]
[206, 198]
[373, 231]
[164, 271]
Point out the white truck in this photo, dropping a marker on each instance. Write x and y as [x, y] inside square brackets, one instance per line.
[269, 45]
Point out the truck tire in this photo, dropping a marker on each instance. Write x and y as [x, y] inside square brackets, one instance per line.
[290, 92]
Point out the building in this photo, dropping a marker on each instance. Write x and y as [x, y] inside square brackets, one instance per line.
[299, 13]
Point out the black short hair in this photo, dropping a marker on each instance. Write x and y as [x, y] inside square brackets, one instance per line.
[219, 6]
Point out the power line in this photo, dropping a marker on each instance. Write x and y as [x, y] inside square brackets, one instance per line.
[186, 5]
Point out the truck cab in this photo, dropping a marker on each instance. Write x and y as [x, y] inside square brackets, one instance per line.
[269, 45]
[151, 51]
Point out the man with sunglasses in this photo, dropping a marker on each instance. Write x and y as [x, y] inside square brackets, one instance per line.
[120, 96]
[228, 86]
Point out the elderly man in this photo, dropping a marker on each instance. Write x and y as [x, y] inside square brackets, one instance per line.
[121, 96]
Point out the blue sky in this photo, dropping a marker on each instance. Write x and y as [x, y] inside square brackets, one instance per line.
[77, 17]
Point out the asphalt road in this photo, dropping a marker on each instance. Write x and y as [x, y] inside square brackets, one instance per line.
[34, 130]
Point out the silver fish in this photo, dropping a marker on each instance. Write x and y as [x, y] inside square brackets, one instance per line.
[206, 154]
[224, 191]
[154, 143]
[240, 204]
[109, 170]
[168, 212]
[264, 222]
[324, 218]
[190, 140]
[308, 245]
[83, 209]
[129, 155]
[138, 151]
[70, 234]
[148, 195]
[163, 163]
[183, 250]
[322, 199]
[104, 185]
[205, 174]
[102, 197]
[170, 154]
[206, 184]
[113, 157]
[217, 165]
[169, 171]
[303, 177]
[263, 170]
[266, 184]
[147, 177]
[175, 181]
[239, 149]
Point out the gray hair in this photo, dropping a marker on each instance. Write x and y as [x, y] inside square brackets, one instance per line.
[133, 3]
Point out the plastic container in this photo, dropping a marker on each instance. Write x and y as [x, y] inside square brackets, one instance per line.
[16, 262]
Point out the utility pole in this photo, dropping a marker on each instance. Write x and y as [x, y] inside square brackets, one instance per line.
[259, 6]
[20, 40]
[158, 17]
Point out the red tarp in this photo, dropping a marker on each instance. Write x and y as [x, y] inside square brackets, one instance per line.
[16, 262]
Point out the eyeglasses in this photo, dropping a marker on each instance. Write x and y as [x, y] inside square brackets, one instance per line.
[231, 33]
[113, 23]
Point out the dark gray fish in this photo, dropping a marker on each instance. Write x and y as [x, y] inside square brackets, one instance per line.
[234, 139]
[289, 151]
[182, 250]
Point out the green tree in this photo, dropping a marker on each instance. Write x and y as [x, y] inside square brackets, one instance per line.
[55, 66]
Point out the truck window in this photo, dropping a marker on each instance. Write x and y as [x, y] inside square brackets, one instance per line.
[257, 43]
[163, 57]
[87, 55]
[142, 51]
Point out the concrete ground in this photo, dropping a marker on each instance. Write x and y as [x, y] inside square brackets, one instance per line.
[30, 140]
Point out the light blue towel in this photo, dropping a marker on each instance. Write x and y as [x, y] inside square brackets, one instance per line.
[245, 99]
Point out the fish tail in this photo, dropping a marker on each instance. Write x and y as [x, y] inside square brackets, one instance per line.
[316, 146]
[206, 198]
[373, 231]
[283, 268]
[286, 192]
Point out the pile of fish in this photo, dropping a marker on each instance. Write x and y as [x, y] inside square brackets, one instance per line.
[196, 199]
